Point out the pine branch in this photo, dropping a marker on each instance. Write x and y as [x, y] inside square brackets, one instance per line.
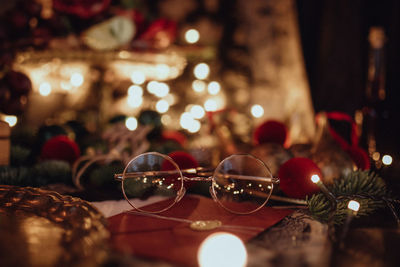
[365, 187]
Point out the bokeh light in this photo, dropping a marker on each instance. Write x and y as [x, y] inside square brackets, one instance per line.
[213, 88]
[192, 36]
[387, 160]
[257, 111]
[222, 249]
[131, 123]
[201, 71]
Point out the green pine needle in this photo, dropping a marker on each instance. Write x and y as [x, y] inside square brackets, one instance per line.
[363, 186]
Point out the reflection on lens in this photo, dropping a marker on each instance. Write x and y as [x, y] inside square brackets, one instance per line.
[152, 175]
[239, 183]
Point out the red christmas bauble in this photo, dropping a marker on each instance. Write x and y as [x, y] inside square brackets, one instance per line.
[295, 177]
[175, 136]
[270, 131]
[184, 161]
[60, 147]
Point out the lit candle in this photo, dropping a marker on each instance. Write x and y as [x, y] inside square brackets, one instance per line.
[222, 249]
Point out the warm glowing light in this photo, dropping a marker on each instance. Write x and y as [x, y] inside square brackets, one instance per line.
[186, 120]
[163, 71]
[159, 89]
[134, 101]
[214, 88]
[138, 77]
[192, 36]
[76, 79]
[353, 205]
[166, 119]
[194, 126]
[197, 111]
[135, 90]
[11, 120]
[201, 71]
[257, 111]
[162, 90]
[45, 89]
[170, 98]
[376, 155]
[315, 178]
[198, 86]
[152, 86]
[222, 249]
[162, 106]
[131, 123]
[387, 159]
[210, 105]
[65, 85]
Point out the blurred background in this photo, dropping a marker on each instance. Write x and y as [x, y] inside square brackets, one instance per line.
[204, 75]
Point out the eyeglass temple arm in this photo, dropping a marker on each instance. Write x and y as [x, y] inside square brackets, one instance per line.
[196, 171]
[204, 174]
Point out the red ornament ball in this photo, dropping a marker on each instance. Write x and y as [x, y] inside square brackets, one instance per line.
[178, 137]
[295, 177]
[270, 131]
[184, 161]
[60, 147]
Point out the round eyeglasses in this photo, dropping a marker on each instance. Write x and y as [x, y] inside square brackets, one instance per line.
[241, 183]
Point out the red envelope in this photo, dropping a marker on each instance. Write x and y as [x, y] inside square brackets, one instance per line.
[175, 241]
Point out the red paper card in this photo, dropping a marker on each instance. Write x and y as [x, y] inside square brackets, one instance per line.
[174, 241]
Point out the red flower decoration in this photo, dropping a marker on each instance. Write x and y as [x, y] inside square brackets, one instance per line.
[60, 147]
[160, 33]
[84, 9]
[270, 131]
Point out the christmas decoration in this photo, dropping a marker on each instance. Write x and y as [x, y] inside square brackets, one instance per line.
[43, 173]
[356, 153]
[365, 187]
[272, 154]
[295, 177]
[81, 9]
[14, 89]
[333, 161]
[60, 148]
[182, 158]
[270, 131]
[161, 33]
[184, 161]
[110, 34]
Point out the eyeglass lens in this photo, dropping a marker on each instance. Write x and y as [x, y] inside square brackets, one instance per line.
[239, 183]
[152, 175]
